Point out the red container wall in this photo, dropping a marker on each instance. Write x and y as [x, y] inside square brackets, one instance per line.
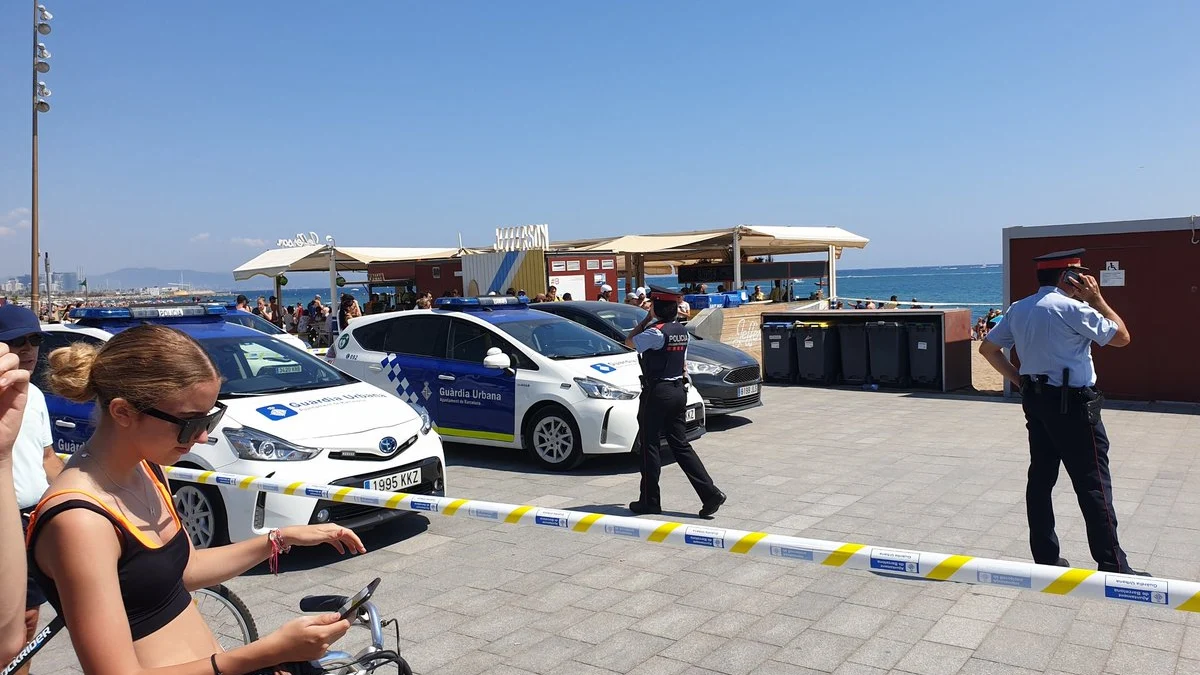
[572, 274]
[439, 277]
[1160, 303]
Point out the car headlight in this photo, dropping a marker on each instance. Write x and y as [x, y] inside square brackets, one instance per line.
[253, 444]
[597, 389]
[702, 368]
[426, 420]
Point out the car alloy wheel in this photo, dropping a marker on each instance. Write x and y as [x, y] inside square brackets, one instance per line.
[197, 514]
[553, 439]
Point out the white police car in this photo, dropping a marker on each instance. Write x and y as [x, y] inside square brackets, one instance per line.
[491, 371]
[290, 417]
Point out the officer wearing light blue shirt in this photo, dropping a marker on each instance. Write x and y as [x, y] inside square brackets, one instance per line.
[1053, 331]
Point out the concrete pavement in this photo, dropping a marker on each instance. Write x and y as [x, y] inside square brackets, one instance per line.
[924, 472]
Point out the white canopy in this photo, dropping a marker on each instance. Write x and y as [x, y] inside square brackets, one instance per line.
[751, 239]
[316, 259]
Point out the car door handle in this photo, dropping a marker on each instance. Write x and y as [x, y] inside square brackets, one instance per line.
[448, 378]
[375, 368]
[63, 424]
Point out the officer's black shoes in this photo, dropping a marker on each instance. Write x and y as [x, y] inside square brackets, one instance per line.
[1135, 573]
[1062, 562]
[711, 507]
[643, 509]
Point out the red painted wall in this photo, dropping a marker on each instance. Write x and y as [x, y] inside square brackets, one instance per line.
[1160, 304]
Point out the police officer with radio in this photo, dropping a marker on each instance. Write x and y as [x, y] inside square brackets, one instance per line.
[661, 342]
[1053, 331]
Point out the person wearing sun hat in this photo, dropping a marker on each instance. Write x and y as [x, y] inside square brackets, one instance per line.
[661, 343]
[1053, 331]
[34, 463]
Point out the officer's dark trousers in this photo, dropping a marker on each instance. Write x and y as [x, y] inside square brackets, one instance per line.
[1082, 447]
[661, 411]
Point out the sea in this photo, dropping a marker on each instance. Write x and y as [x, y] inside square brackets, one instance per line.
[978, 287]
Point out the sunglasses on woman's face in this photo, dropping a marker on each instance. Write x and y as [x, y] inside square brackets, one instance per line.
[34, 340]
[190, 428]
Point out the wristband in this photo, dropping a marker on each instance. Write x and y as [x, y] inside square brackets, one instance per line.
[213, 660]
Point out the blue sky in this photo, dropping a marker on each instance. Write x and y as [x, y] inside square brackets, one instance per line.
[186, 134]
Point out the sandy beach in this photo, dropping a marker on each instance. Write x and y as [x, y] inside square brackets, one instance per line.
[984, 377]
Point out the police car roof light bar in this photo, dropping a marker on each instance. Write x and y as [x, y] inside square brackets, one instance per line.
[482, 304]
[133, 312]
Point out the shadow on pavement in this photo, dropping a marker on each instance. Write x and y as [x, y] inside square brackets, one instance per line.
[623, 510]
[507, 459]
[1168, 407]
[376, 538]
[720, 423]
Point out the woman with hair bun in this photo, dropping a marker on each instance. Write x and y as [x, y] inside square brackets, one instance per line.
[106, 541]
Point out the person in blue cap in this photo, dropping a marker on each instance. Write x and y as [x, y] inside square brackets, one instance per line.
[1053, 331]
[661, 342]
[34, 463]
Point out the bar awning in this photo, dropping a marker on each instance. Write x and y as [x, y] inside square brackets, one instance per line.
[754, 240]
[316, 259]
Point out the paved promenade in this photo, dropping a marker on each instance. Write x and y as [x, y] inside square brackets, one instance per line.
[911, 471]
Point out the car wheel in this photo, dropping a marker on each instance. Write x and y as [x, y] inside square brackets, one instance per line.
[202, 513]
[552, 439]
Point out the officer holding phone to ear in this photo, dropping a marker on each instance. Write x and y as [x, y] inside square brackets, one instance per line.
[1053, 331]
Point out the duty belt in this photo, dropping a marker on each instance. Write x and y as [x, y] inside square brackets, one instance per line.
[1040, 383]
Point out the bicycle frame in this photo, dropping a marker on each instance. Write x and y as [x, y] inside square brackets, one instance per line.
[43, 636]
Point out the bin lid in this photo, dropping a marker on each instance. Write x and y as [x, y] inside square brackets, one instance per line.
[813, 324]
[775, 325]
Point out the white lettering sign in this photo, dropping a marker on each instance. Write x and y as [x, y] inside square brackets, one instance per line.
[301, 239]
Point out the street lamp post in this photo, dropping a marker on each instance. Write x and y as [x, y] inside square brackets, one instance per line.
[41, 26]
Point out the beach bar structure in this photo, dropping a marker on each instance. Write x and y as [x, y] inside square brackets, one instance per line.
[1149, 271]
[729, 247]
[304, 254]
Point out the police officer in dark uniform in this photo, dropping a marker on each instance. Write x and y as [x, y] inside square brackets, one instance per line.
[1053, 331]
[661, 342]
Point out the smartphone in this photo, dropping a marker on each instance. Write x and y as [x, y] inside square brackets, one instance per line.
[349, 609]
[1072, 276]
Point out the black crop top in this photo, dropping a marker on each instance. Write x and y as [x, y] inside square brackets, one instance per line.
[151, 577]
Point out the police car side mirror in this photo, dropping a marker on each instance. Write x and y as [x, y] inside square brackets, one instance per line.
[497, 359]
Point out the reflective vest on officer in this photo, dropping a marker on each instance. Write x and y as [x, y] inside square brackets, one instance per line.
[669, 361]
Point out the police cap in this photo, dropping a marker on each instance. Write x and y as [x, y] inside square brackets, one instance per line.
[1060, 260]
[660, 294]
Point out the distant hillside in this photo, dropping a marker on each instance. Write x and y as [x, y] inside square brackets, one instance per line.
[140, 277]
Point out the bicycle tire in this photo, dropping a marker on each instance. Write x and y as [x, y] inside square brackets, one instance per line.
[243, 631]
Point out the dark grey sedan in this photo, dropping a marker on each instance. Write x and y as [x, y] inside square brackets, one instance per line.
[728, 378]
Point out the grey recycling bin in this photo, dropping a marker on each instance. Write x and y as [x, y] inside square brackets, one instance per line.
[778, 352]
[887, 342]
[925, 354]
[856, 365]
[818, 353]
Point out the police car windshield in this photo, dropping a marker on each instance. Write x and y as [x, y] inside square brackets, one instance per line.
[251, 366]
[623, 317]
[558, 338]
[253, 321]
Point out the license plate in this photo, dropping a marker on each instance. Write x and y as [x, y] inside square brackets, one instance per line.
[394, 482]
[747, 390]
[690, 416]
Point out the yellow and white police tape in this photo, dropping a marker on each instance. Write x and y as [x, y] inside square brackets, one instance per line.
[1155, 592]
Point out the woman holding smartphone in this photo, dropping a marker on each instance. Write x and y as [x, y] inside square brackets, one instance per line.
[106, 543]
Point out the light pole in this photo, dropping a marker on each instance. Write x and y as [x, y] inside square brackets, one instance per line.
[41, 26]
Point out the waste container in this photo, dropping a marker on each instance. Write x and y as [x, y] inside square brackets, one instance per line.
[818, 354]
[856, 366]
[887, 342]
[732, 299]
[925, 354]
[778, 352]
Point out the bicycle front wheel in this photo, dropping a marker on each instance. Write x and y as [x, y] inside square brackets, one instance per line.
[226, 615]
